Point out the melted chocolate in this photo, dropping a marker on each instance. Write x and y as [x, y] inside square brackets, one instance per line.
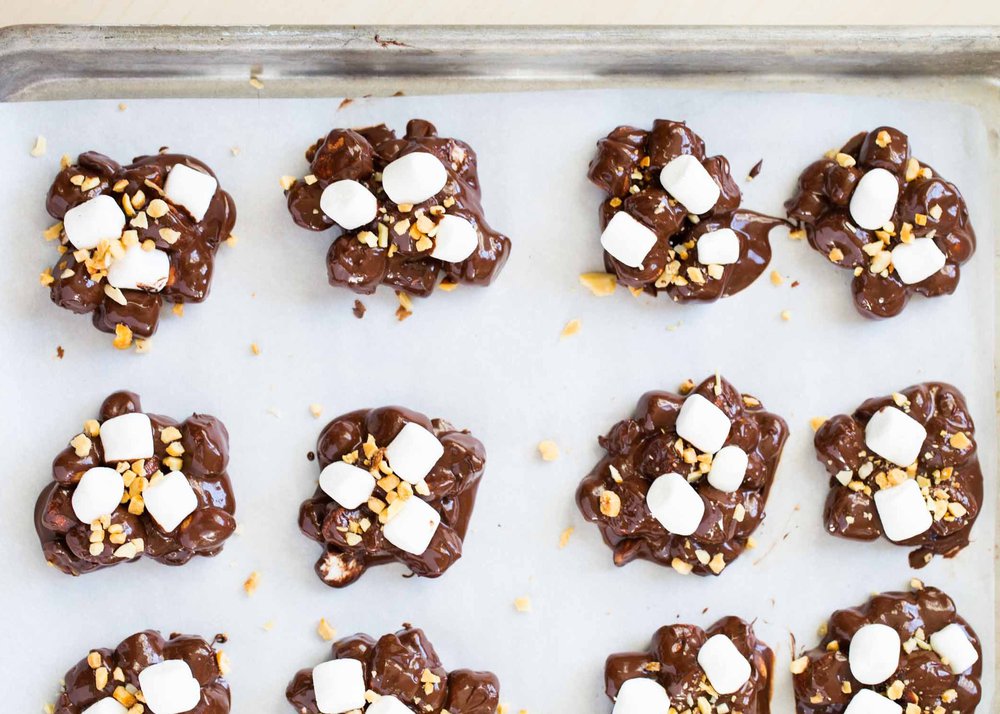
[822, 205]
[672, 661]
[135, 654]
[452, 486]
[395, 666]
[915, 616]
[192, 256]
[950, 471]
[627, 167]
[361, 155]
[66, 541]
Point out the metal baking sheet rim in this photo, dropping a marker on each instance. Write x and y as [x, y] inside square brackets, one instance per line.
[48, 62]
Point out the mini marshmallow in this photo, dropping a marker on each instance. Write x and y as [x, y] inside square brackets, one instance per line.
[413, 453]
[955, 648]
[339, 685]
[92, 221]
[868, 702]
[456, 239]
[641, 696]
[686, 179]
[190, 188]
[388, 704]
[874, 653]
[675, 504]
[347, 484]
[349, 204]
[127, 437]
[627, 240]
[874, 201]
[170, 499]
[108, 705]
[140, 269]
[895, 436]
[918, 260]
[703, 424]
[725, 666]
[903, 511]
[720, 247]
[414, 178]
[413, 526]
[729, 466]
[169, 687]
[98, 494]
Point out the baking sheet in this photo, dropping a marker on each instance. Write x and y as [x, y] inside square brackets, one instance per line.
[490, 360]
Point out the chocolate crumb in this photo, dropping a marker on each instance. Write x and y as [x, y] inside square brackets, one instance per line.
[359, 309]
[345, 103]
[755, 171]
[60, 352]
[311, 455]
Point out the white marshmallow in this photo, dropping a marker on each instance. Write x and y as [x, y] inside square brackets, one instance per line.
[903, 511]
[190, 188]
[388, 704]
[140, 269]
[725, 666]
[347, 484]
[170, 499]
[675, 504]
[456, 239]
[867, 701]
[874, 653]
[720, 247]
[169, 687]
[641, 696]
[918, 260]
[339, 685]
[703, 424]
[686, 179]
[874, 199]
[98, 494]
[349, 204]
[108, 705]
[729, 466]
[954, 647]
[127, 437]
[100, 218]
[413, 453]
[895, 436]
[413, 526]
[627, 240]
[414, 178]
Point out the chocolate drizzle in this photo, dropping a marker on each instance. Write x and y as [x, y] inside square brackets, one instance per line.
[395, 666]
[822, 205]
[672, 661]
[916, 615]
[646, 446]
[949, 470]
[361, 155]
[452, 486]
[192, 255]
[66, 541]
[627, 168]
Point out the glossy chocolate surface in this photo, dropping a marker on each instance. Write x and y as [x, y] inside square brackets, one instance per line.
[947, 473]
[132, 656]
[647, 446]
[627, 167]
[66, 541]
[396, 665]
[672, 661]
[451, 485]
[192, 255]
[822, 206]
[928, 682]
[361, 155]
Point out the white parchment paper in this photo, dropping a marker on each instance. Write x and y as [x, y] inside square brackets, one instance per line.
[489, 360]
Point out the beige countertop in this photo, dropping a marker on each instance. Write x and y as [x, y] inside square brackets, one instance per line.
[444, 12]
